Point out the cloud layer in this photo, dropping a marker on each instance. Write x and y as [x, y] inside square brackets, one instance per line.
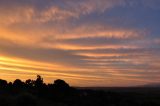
[86, 42]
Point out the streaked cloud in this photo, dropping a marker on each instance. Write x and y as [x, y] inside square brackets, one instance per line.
[85, 42]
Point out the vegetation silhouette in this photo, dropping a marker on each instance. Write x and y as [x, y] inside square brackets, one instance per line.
[59, 93]
[3, 83]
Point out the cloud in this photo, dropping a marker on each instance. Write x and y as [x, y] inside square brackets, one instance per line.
[44, 11]
[114, 41]
[42, 54]
[40, 11]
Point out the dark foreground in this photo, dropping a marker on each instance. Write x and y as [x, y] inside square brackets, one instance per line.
[37, 93]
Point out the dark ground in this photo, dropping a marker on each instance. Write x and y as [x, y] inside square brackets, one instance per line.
[37, 93]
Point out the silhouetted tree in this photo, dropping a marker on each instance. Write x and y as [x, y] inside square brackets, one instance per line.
[61, 84]
[3, 83]
[18, 83]
[59, 93]
[29, 83]
[39, 82]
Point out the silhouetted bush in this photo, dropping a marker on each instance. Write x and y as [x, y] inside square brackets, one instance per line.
[37, 93]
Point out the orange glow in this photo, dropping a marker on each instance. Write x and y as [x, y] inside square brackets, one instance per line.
[83, 42]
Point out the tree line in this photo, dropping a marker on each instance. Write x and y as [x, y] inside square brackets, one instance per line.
[59, 93]
[37, 84]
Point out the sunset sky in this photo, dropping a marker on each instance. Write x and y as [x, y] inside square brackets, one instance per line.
[84, 42]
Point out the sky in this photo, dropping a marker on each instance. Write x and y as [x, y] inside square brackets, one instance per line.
[84, 42]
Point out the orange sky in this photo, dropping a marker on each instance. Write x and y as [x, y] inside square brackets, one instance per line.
[85, 42]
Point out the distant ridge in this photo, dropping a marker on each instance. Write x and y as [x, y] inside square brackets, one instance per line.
[156, 85]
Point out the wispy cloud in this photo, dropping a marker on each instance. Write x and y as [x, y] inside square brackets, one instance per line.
[115, 42]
